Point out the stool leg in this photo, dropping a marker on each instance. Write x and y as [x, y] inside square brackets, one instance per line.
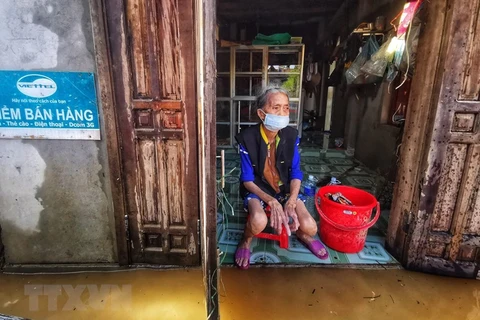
[284, 238]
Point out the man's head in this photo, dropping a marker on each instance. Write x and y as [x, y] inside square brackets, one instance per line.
[274, 101]
[274, 108]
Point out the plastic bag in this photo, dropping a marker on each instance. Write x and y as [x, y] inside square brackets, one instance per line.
[378, 63]
[407, 61]
[391, 73]
[375, 67]
[354, 74]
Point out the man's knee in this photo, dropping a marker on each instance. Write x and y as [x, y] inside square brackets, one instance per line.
[309, 226]
[257, 222]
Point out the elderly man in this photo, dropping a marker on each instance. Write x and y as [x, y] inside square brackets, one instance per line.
[271, 175]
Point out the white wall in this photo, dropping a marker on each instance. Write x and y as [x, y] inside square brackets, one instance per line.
[55, 202]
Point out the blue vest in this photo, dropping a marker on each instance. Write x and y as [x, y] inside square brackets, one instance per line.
[256, 147]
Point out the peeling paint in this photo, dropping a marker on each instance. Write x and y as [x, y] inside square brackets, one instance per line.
[54, 204]
[23, 40]
[18, 188]
[155, 99]
[192, 246]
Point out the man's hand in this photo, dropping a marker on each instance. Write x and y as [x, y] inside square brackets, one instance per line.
[290, 211]
[277, 215]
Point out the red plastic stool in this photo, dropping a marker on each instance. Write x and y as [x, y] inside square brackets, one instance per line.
[282, 237]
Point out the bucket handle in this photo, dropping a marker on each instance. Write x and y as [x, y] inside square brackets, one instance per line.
[344, 228]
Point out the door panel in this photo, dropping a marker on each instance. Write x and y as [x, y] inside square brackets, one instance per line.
[443, 224]
[156, 103]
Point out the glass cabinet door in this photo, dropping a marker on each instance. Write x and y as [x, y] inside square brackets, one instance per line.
[223, 134]
[241, 73]
[223, 111]
[223, 60]
[247, 85]
[294, 110]
[248, 61]
[291, 83]
[285, 67]
[249, 76]
[223, 86]
[224, 122]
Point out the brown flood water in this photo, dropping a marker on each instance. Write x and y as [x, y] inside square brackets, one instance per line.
[260, 293]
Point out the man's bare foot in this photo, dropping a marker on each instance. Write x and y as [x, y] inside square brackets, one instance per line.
[314, 245]
[243, 260]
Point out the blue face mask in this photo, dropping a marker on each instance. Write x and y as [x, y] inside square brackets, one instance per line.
[275, 122]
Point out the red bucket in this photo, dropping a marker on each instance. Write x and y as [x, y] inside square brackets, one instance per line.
[343, 227]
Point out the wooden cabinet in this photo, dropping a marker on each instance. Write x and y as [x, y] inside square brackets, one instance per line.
[242, 72]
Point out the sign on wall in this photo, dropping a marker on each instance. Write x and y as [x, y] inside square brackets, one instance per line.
[48, 105]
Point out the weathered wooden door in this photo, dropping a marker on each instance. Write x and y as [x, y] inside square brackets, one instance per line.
[435, 223]
[153, 58]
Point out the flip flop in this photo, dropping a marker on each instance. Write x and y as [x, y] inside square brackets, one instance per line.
[243, 253]
[315, 246]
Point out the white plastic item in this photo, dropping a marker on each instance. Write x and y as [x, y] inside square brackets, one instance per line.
[310, 186]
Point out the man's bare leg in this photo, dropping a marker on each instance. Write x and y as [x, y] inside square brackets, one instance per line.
[308, 227]
[256, 224]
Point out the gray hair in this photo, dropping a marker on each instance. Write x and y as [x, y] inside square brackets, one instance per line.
[264, 95]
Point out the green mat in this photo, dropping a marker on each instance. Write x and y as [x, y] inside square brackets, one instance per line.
[277, 38]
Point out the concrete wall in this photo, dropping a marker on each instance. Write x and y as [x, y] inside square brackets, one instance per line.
[374, 142]
[55, 199]
[2, 251]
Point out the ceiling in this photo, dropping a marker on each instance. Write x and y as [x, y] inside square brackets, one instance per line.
[276, 11]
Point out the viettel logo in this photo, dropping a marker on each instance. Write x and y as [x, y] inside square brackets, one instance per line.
[36, 86]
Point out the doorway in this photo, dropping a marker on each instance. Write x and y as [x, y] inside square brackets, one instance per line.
[331, 115]
[355, 126]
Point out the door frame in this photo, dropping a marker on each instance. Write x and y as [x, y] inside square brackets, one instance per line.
[423, 101]
[205, 41]
[414, 197]
[110, 134]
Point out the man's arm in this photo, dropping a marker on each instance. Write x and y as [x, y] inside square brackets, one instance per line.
[253, 188]
[278, 217]
[295, 188]
[296, 174]
[296, 177]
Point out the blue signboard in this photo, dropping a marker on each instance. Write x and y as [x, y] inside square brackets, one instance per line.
[48, 105]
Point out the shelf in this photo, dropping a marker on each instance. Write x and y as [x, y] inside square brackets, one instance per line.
[283, 51]
[259, 73]
[244, 98]
[251, 67]
[283, 73]
[244, 123]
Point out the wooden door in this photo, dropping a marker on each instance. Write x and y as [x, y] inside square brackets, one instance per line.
[153, 67]
[435, 224]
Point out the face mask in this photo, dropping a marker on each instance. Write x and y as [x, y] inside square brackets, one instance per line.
[274, 122]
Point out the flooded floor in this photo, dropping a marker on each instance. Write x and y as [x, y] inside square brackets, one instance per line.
[258, 293]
